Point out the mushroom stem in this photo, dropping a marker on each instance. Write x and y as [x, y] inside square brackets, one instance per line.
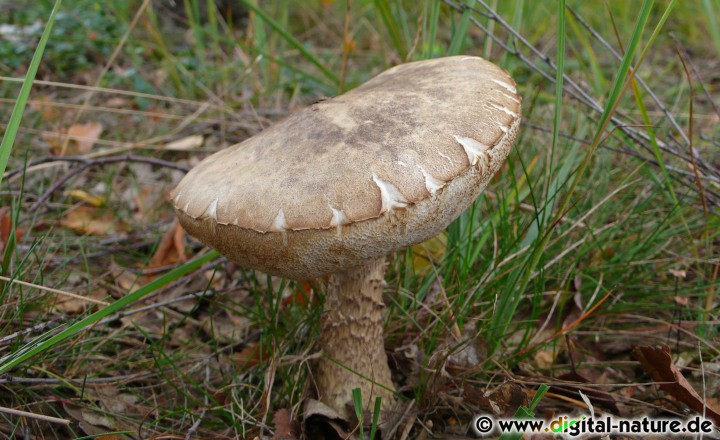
[352, 340]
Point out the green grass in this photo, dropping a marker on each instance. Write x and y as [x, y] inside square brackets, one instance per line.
[573, 241]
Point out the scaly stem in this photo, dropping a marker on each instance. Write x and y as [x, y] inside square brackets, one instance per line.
[352, 340]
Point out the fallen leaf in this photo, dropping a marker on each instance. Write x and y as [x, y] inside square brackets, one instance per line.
[186, 143]
[681, 300]
[250, 356]
[77, 139]
[125, 279]
[678, 273]
[303, 294]
[544, 359]
[285, 427]
[658, 363]
[320, 418]
[84, 196]
[171, 249]
[509, 396]
[89, 220]
[427, 254]
[6, 223]
[74, 306]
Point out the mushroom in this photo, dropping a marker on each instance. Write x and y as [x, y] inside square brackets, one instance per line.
[336, 187]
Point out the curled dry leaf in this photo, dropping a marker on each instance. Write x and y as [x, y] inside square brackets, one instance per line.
[658, 363]
[171, 249]
[186, 143]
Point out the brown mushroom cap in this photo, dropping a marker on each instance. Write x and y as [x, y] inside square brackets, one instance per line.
[382, 167]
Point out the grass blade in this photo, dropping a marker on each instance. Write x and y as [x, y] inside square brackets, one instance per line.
[17, 113]
[392, 26]
[48, 340]
[293, 42]
[458, 38]
[432, 30]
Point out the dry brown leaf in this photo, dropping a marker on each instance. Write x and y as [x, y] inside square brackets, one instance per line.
[145, 201]
[73, 306]
[320, 418]
[544, 359]
[89, 220]
[6, 228]
[186, 143]
[285, 427]
[77, 139]
[171, 249]
[658, 363]
[125, 279]
[109, 437]
[249, 356]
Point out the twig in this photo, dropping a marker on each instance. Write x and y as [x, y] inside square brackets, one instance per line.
[57, 185]
[87, 163]
[96, 89]
[98, 161]
[36, 328]
[51, 290]
[55, 381]
[30, 415]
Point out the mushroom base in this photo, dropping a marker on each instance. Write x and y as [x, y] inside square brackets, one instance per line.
[352, 340]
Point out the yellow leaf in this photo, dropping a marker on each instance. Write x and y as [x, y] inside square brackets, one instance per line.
[96, 201]
[428, 253]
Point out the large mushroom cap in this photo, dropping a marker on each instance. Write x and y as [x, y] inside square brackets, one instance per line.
[382, 167]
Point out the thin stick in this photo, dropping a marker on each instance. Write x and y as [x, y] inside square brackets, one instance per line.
[17, 412]
[51, 290]
[87, 163]
[108, 90]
